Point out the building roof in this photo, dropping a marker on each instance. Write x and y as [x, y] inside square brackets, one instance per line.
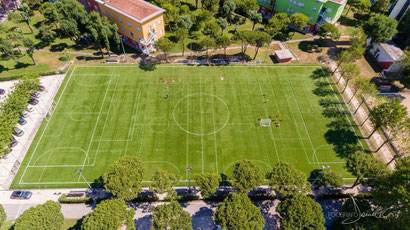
[392, 49]
[338, 1]
[136, 9]
[283, 54]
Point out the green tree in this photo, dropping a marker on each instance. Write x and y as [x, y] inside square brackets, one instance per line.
[227, 10]
[29, 44]
[286, 180]
[43, 216]
[255, 17]
[3, 215]
[299, 20]
[300, 212]
[170, 216]
[365, 167]
[237, 212]
[69, 27]
[164, 45]
[359, 6]
[327, 178]
[210, 5]
[171, 15]
[357, 44]
[182, 36]
[25, 14]
[46, 34]
[261, 39]
[246, 176]
[246, 37]
[343, 57]
[162, 181]
[33, 4]
[223, 24]
[185, 22]
[328, 30]
[392, 192]
[123, 177]
[6, 48]
[102, 32]
[360, 83]
[278, 24]
[50, 13]
[223, 42]
[350, 71]
[405, 79]
[380, 28]
[109, 214]
[380, 6]
[211, 29]
[207, 43]
[387, 114]
[208, 182]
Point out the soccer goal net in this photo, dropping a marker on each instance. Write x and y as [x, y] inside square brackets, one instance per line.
[265, 122]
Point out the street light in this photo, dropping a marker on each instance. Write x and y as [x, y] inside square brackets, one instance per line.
[190, 37]
[122, 44]
[267, 51]
[189, 178]
[80, 171]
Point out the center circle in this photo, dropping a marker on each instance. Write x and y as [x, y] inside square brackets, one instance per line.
[201, 114]
[80, 113]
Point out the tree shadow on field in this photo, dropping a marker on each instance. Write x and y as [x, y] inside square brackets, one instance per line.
[320, 73]
[323, 92]
[342, 137]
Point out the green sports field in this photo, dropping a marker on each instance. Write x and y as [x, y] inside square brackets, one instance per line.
[173, 117]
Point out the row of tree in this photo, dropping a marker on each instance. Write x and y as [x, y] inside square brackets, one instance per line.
[12, 107]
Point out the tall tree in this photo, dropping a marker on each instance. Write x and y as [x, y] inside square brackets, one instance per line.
[50, 13]
[212, 29]
[6, 48]
[25, 14]
[43, 216]
[109, 214]
[47, 35]
[343, 57]
[286, 180]
[300, 212]
[207, 43]
[357, 44]
[162, 181]
[328, 30]
[182, 35]
[223, 42]
[359, 6]
[380, 6]
[238, 212]
[185, 22]
[359, 84]
[103, 32]
[246, 176]
[29, 44]
[227, 10]
[255, 17]
[387, 114]
[261, 39]
[299, 20]
[164, 45]
[278, 24]
[223, 24]
[365, 167]
[350, 71]
[327, 178]
[171, 15]
[211, 5]
[123, 177]
[208, 183]
[170, 216]
[380, 28]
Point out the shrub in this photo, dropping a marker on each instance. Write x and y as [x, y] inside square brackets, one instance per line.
[73, 200]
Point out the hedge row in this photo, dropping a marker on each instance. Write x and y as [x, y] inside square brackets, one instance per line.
[69, 200]
[20, 76]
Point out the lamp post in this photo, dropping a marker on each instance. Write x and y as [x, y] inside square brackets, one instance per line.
[267, 51]
[80, 171]
[190, 45]
[122, 44]
[189, 178]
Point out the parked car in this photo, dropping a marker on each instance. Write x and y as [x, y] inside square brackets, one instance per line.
[22, 195]
[35, 94]
[18, 132]
[33, 101]
[30, 109]
[41, 88]
[2, 91]
[13, 143]
[22, 121]
[25, 114]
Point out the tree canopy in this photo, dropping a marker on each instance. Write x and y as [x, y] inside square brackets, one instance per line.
[109, 214]
[246, 176]
[123, 177]
[208, 182]
[380, 28]
[3, 215]
[44, 216]
[237, 212]
[170, 216]
[162, 181]
[328, 30]
[300, 212]
[286, 180]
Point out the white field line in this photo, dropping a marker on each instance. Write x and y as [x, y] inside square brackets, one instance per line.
[105, 122]
[187, 66]
[200, 111]
[134, 117]
[303, 119]
[45, 128]
[187, 134]
[96, 123]
[213, 119]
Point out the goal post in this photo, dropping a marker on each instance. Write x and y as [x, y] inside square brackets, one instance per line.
[265, 122]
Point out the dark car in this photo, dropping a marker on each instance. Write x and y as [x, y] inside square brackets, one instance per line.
[33, 101]
[35, 94]
[13, 143]
[22, 195]
[41, 88]
[22, 121]
[2, 91]
[18, 132]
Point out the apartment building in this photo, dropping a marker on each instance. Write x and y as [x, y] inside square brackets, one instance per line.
[140, 23]
[318, 11]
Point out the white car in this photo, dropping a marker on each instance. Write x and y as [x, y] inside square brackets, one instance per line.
[30, 109]
[25, 114]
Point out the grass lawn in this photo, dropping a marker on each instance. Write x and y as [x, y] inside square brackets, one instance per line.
[205, 118]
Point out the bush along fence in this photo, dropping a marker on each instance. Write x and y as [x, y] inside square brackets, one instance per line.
[12, 108]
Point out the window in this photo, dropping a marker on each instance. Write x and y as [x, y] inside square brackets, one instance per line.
[95, 7]
[314, 9]
[129, 24]
[138, 29]
[122, 29]
[119, 19]
[328, 10]
[139, 38]
[159, 22]
[103, 11]
[160, 31]
[89, 4]
[155, 24]
[111, 15]
[134, 42]
[131, 34]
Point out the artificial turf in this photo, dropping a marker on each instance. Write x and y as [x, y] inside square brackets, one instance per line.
[173, 117]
